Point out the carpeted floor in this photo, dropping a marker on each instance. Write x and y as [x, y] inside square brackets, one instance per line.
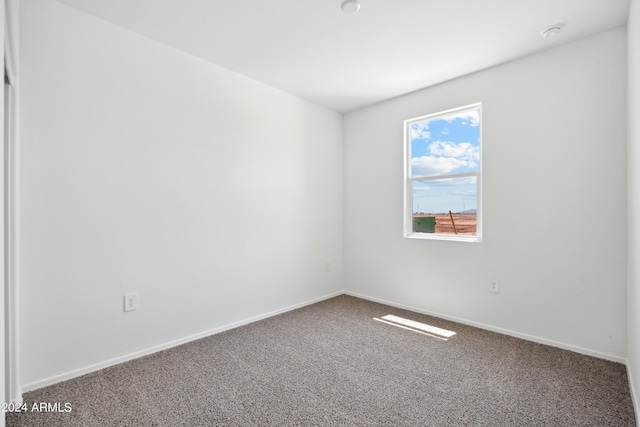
[333, 364]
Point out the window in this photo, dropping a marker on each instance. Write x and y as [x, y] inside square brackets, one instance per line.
[443, 175]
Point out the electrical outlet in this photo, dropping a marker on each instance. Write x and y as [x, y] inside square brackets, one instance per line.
[327, 265]
[131, 302]
[495, 286]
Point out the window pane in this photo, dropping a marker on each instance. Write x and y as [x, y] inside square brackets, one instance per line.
[435, 198]
[446, 144]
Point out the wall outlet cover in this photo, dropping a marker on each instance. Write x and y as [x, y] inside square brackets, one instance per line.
[495, 286]
[131, 302]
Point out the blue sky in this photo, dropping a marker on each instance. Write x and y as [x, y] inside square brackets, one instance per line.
[443, 146]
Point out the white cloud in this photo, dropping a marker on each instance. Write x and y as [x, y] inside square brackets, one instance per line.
[467, 194]
[453, 182]
[420, 130]
[420, 189]
[462, 150]
[432, 165]
[472, 117]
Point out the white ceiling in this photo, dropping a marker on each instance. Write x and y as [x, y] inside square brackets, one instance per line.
[311, 49]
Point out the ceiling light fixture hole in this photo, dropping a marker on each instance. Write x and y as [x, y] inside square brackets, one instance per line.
[350, 6]
[551, 32]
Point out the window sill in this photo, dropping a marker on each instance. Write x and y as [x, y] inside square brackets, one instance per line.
[449, 237]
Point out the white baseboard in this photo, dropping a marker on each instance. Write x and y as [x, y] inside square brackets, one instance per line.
[533, 338]
[115, 361]
[105, 364]
[16, 400]
[632, 390]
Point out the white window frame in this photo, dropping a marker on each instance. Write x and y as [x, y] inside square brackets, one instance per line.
[409, 180]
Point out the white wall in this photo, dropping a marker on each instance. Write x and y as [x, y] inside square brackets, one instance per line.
[633, 296]
[554, 189]
[147, 170]
[219, 199]
[11, 152]
[2, 231]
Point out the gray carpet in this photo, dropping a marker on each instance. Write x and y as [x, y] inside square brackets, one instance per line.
[332, 364]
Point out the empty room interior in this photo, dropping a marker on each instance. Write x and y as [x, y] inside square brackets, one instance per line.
[183, 171]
